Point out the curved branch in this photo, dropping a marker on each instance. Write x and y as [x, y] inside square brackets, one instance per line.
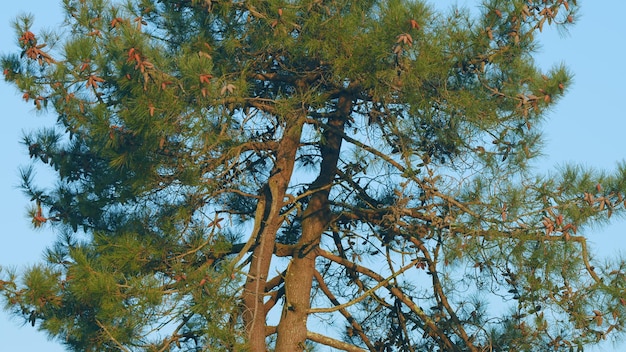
[328, 341]
[381, 282]
[432, 328]
[355, 325]
[585, 254]
[439, 292]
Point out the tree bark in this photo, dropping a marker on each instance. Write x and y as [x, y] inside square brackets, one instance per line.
[292, 329]
[270, 203]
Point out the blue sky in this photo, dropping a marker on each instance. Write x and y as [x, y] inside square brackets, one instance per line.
[588, 127]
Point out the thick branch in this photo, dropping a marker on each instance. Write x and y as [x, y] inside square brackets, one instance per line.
[292, 329]
[328, 341]
[268, 221]
[322, 339]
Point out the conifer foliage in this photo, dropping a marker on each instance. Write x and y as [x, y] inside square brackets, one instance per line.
[291, 175]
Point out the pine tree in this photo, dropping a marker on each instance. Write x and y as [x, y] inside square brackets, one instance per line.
[254, 175]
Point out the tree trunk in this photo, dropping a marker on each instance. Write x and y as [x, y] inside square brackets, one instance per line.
[270, 204]
[292, 329]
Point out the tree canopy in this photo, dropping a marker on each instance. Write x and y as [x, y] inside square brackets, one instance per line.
[284, 175]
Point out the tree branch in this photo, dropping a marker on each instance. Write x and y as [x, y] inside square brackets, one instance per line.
[431, 326]
[328, 341]
[439, 292]
[111, 337]
[381, 283]
[355, 325]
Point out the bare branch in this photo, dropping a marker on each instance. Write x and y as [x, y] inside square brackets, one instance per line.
[381, 283]
[328, 341]
[433, 328]
[355, 325]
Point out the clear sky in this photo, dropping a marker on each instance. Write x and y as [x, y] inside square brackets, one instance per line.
[588, 126]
